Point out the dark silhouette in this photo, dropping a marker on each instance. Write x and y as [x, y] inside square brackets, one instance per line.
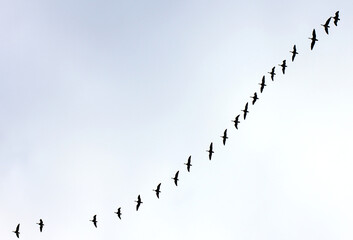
[158, 190]
[224, 137]
[254, 98]
[294, 52]
[262, 84]
[326, 25]
[283, 65]
[272, 73]
[188, 164]
[41, 225]
[138, 202]
[94, 220]
[245, 110]
[17, 231]
[210, 151]
[336, 18]
[175, 178]
[236, 121]
[119, 213]
[313, 40]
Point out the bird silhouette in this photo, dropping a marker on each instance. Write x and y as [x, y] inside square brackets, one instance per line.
[283, 65]
[119, 213]
[158, 190]
[175, 178]
[245, 110]
[262, 84]
[294, 52]
[224, 137]
[272, 73]
[326, 25]
[336, 18]
[188, 164]
[94, 220]
[313, 39]
[138, 202]
[210, 151]
[41, 225]
[17, 232]
[236, 121]
[254, 98]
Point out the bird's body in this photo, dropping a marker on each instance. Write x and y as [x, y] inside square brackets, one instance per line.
[326, 25]
[175, 178]
[245, 110]
[210, 151]
[138, 202]
[188, 164]
[294, 52]
[118, 212]
[224, 137]
[283, 65]
[94, 220]
[313, 39]
[236, 121]
[336, 18]
[254, 98]
[41, 225]
[158, 190]
[262, 84]
[272, 73]
[17, 231]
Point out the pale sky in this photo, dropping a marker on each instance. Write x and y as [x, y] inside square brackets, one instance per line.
[102, 100]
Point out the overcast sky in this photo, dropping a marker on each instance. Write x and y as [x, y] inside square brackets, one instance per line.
[102, 100]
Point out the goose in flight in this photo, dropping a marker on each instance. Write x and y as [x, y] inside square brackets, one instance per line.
[283, 65]
[175, 178]
[254, 98]
[294, 52]
[272, 73]
[210, 151]
[236, 121]
[326, 25]
[262, 84]
[41, 225]
[188, 164]
[138, 202]
[118, 213]
[158, 190]
[336, 18]
[245, 111]
[17, 232]
[224, 137]
[94, 220]
[313, 39]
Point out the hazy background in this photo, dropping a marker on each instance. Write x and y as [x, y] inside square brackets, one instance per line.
[102, 100]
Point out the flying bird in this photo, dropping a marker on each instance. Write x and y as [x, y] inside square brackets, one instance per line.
[210, 151]
[41, 225]
[294, 52]
[283, 65]
[236, 121]
[17, 231]
[119, 213]
[188, 164]
[262, 84]
[336, 18]
[254, 98]
[224, 137]
[138, 202]
[245, 111]
[272, 73]
[326, 25]
[158, 190]
[94, 220]
[313, 39]
[175, 178]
